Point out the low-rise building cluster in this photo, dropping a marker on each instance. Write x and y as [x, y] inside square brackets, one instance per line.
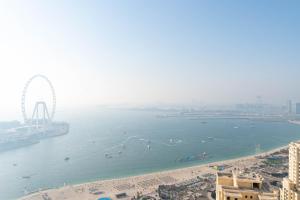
[274, 177]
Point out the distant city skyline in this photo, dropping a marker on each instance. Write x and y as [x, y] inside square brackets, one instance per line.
[151, 53]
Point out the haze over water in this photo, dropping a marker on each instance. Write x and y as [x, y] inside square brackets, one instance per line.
[138, 52]
[133, 53]
[98, 131]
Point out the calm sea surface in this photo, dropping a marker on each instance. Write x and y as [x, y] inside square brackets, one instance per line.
[136, 142]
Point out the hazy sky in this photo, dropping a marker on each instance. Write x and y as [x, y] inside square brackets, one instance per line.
[145, 52]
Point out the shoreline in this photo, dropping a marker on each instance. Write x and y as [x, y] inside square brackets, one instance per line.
[138, 183]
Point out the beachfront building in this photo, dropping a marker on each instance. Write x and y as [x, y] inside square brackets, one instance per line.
[231, 186]
[291, 186]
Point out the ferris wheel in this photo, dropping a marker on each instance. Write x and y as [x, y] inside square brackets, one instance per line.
[46, 114]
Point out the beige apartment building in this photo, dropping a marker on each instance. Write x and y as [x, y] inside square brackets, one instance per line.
[291, 186]
[231, 186]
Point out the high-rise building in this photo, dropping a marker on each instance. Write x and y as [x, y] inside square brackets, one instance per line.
[290, 107]
[298, 108]
[231, 186]
[291, 186]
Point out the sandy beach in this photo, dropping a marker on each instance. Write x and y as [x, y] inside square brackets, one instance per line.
[145, 184]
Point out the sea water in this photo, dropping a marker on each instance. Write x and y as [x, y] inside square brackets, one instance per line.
[112, 143]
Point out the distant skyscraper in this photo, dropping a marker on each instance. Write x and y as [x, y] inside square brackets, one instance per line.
[290, 107]
[298, 108]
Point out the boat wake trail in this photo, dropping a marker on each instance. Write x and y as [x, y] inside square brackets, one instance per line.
[146, 142]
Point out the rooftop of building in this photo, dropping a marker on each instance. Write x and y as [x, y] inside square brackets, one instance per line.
[297, 143]
[245, 176]
[234, 192]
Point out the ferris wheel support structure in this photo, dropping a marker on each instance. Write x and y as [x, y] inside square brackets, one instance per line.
[23, 107]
